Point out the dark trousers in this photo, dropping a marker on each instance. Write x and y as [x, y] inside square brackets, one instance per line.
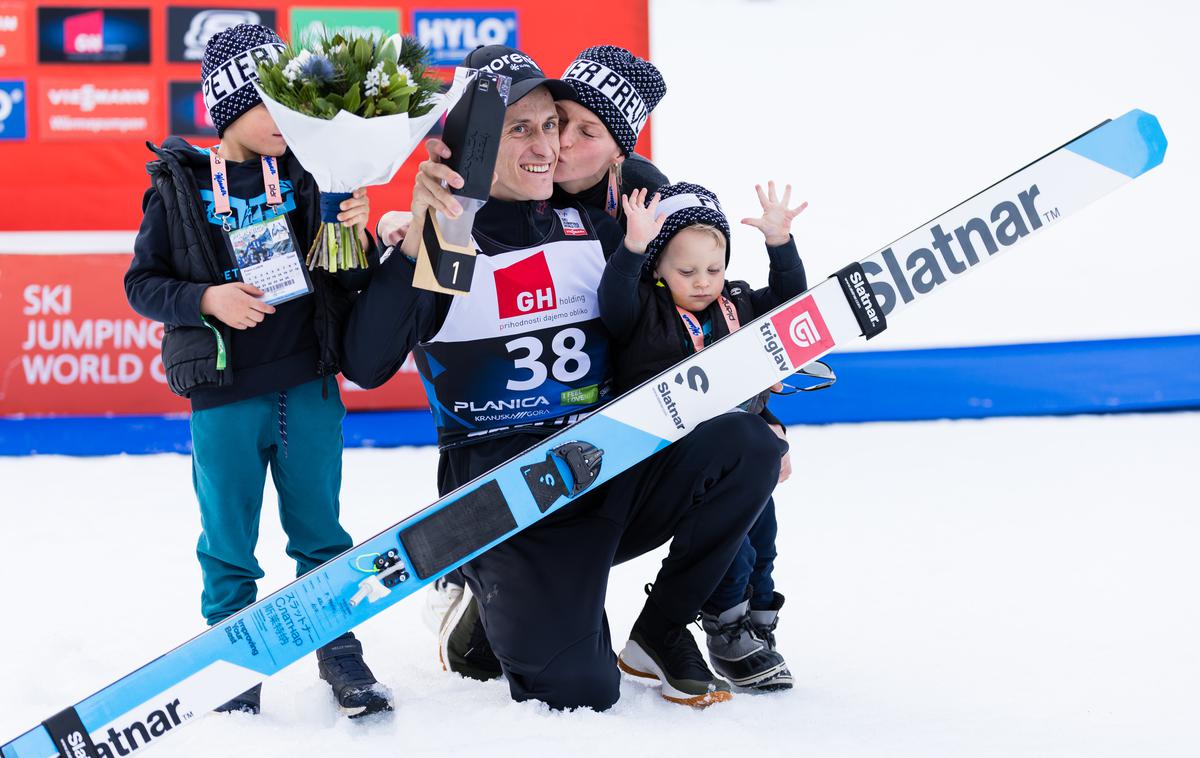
[542, 592]
[751, 569]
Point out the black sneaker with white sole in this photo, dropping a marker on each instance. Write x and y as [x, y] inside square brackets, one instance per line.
[658, 649]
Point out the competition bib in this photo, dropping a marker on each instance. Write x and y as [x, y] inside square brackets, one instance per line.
[526, 346]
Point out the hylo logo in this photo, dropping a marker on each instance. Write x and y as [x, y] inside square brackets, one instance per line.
[84, 33]
[450, 36]
[525, 287]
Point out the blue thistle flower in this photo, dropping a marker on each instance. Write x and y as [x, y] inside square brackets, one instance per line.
[317, 69]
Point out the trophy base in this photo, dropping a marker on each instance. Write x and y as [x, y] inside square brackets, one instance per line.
[443, 266]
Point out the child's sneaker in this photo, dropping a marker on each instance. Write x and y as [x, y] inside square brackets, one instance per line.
[354, 686]
[249, 701]
[668, 653]
[736, 651]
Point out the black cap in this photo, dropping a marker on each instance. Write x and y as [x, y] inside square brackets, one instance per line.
[525, 73]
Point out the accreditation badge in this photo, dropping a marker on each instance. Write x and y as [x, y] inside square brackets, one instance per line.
[265, 253]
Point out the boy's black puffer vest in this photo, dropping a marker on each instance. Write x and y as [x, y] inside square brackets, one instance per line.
[190, 353]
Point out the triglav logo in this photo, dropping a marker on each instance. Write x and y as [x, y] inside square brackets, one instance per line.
[526, 287]
[795, 336]
[803, 331]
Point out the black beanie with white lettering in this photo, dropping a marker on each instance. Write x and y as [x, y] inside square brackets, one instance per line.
[230, 68]
[619, 87]
[685, 204]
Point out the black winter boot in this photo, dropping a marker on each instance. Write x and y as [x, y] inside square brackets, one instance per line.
[354, 686]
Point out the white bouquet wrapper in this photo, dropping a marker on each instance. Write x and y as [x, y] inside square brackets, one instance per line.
[348, 151]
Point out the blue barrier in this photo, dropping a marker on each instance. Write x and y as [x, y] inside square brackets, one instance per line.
[1053, 378]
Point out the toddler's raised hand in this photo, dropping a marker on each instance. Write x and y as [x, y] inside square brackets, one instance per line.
[642, 223]
[776, 221]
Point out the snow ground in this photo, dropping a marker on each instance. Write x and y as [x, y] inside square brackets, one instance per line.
[1011, 587]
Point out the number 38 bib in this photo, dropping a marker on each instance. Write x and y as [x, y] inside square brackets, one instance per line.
[526, 346]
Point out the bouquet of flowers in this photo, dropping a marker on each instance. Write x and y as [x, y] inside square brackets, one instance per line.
[352, 108]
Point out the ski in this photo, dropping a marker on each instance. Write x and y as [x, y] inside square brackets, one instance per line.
[145, 707]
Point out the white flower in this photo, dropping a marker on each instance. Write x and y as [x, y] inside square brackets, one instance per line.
[404, 73]
[376, 80]
[291, 71]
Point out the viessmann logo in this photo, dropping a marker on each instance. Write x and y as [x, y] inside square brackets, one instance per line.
[524, 288]
[795, 336]
[88, 96]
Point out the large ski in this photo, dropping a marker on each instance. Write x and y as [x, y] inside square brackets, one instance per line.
[146, 706]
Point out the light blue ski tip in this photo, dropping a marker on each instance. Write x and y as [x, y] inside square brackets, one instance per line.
[1132, 144]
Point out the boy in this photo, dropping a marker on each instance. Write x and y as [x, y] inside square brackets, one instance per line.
[664, 297]
[252, 339]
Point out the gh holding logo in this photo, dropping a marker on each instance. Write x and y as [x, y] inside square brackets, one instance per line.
[12, 110]
[525, 288]
[451, 35]
[84, 33]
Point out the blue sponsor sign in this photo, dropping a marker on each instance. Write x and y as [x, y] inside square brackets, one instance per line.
[450, 35]
[13, 124]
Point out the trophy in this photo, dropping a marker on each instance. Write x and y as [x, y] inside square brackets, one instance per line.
[446, 259]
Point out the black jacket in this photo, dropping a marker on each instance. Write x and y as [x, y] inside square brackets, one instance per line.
[179, 253]
[648, 333]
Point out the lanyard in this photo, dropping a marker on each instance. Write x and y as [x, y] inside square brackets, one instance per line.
[220, 185]
[696, 332]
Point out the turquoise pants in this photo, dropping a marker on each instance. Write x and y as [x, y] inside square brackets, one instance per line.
[298, 435]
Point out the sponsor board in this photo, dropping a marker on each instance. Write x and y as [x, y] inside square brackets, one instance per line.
[99, 107]
[70, 344]
[93, 35]
[190, 28]
[450, 35]
[13, 121]
[189, 115]
[14, 20]
[307, 24]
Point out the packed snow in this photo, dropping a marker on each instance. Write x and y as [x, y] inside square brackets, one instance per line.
[997, 588]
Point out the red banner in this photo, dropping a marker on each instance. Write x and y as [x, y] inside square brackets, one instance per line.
[71, 345]
[83, 85]
[93, 139]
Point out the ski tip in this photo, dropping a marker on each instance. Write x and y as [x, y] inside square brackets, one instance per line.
[1132, 144]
